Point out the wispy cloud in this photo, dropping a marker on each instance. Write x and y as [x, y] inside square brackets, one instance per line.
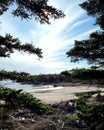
[79, 23]
[51, 42]
[54, 40]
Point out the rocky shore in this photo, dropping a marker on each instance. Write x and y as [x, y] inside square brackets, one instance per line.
[25, 120]
[64, 118]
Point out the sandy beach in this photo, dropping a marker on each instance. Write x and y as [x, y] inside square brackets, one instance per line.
[63, 93]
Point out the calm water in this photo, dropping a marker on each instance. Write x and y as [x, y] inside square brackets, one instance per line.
[33, 88]
[27, 87]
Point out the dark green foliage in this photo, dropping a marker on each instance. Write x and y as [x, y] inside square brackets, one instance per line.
[15, 76]
[15, 99]
[26, 77]
[100, 21]
[8, 45]
[66, 76]
[95, 8]
[92, 115]
[87, 74]
[4, 5]
[92, 49]
[84, 75]
[26, 9]
[79, 75]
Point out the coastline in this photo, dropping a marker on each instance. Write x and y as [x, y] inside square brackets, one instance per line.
[64, 93]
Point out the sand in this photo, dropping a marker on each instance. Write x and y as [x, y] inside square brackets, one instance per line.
[63, 94]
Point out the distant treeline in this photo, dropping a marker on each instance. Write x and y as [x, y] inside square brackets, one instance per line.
[74, 75]
[84, 75]
[27, 78]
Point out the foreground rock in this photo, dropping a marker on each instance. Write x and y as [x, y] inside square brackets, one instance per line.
[23, 119]
[44, 124]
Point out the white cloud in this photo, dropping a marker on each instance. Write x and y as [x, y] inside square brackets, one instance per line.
[51, 43]
[33, 32]
[79, 23]
[49, 40]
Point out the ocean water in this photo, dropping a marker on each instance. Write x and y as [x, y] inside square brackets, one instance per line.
[38, 91]
[27, 87]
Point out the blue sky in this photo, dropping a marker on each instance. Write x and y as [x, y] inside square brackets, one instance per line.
[54, 40]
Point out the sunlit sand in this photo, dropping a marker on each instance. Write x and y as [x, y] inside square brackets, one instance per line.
[63, 94]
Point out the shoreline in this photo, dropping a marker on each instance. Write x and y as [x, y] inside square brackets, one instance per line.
[63, 94]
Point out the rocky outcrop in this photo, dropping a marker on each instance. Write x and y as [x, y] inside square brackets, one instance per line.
[44, 124]
[24, 119]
